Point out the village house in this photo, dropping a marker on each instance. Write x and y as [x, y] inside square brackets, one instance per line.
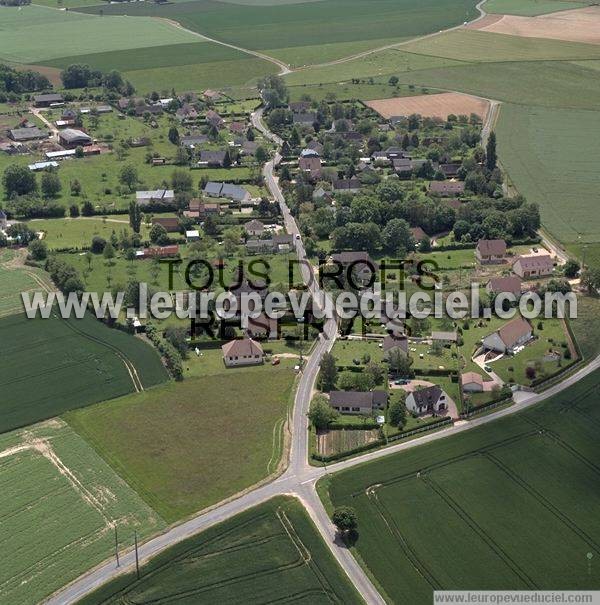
[260, 246]
[22, 135]
[307, 119]
[254, 228]
[170, 223]
[186, 113]
[511, 283]
[394, 343]
[283, 242]
[164, 196]
[472, 382]
[361, 264]
[211, 95]
[249, 147]
[299, 106]
[311, 165]
[347, 185]
[158, 252]
[214, 119]
[71, 138]
[528, 267]
[516, 332]
[445, 338]
[315, 146]
[214, 159]
[358, 402]
[193, 140]
[430, 400]
[46, 100]
[244, 352]
[322, 194]
[491, 251]
[447, 188]
[418, 234]
[227, 190]
[238, 128]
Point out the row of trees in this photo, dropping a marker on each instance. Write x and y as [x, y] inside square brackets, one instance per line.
[80, 75]
[14, 81]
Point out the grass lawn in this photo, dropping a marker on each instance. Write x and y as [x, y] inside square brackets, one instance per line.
[77, 233]
[185, 446]
[271, 552]
[49, 366]
[509, 505]
[535, 352]
[58, 503]
[431, 360]
[346, 351]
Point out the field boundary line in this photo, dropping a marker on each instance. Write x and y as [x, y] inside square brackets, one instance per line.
[468, 519]
[130, 367]
[545, 502]
[405, 546]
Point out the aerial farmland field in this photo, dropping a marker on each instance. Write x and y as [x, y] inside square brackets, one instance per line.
[49, 366]
[508, 505]
[186, 446]
[291, 31]
[54, 39]
[51, 480]
[268, 553]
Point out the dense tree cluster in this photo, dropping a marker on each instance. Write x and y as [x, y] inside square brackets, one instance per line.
[80, 75]
[18, 82]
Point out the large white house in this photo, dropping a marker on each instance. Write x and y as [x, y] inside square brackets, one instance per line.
[430, 400]
[516, 332]
[243, 352]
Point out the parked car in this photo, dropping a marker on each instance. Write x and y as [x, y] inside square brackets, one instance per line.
[401, 381]
[276, 361]
[488, 368]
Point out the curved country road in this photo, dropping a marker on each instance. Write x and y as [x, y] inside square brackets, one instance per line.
[300, 478]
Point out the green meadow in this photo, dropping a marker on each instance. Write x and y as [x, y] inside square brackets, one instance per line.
[186, 446]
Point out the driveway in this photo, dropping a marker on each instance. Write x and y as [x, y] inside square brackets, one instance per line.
[488, 385]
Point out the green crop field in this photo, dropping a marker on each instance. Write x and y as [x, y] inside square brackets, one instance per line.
[512, 505]
[292, 31]
[49, 366]
[45, 36]
[271, 553]
[530, 8]
[35, 33]
[59, 504]
[549, 154]
[186, 446]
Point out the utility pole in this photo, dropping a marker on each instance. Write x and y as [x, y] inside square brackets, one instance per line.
[116, 545]
[137, 560]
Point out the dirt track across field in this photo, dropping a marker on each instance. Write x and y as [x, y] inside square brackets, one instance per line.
[579, 25]
[438, 105]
